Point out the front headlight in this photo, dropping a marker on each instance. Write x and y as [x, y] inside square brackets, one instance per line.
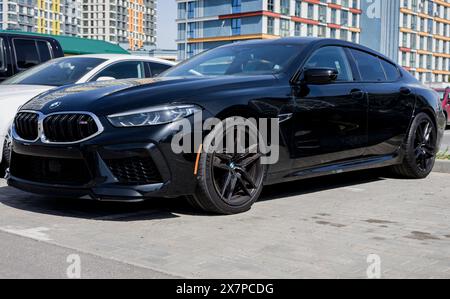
[152, 116]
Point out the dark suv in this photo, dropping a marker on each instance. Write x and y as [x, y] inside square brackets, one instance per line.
[19, 52]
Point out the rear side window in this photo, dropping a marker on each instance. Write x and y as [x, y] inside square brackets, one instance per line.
[369, 67]
[157, 68]
[2, 56]
[31, 52]
[391, 71]
[44, 51]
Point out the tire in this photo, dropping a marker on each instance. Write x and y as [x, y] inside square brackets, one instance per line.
[229, 183]
[420, 149]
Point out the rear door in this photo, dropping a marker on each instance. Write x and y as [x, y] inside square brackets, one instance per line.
[391, 103]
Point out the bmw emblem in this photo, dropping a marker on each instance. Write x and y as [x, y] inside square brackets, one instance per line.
[54, 105]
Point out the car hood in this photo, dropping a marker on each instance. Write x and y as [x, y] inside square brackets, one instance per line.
[21, 91]
[109, 97]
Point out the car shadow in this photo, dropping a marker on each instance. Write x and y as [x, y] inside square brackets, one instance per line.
[160, 208]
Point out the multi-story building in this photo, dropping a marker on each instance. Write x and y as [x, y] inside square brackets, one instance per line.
[415, 33]
[424, 39]
[42, 16]
[418, 35]
[204, 24]
[130, 23]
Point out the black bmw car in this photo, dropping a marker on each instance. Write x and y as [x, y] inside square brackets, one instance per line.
[339, 107]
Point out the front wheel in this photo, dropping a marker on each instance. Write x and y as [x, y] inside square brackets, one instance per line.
[420, 149]
[230, 182]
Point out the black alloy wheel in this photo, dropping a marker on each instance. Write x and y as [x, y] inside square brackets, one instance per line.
[420, 149]
[230, 181]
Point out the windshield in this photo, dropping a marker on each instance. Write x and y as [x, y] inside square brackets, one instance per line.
[256, 59]
[57, 72]
[441, 95]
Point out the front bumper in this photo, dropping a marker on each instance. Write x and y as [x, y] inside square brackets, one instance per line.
[121, 164]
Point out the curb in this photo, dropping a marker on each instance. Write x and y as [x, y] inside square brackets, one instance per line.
[442, 166]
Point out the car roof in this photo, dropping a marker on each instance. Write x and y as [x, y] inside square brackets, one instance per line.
[118, 57]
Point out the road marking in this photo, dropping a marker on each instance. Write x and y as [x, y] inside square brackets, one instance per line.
[35, 233]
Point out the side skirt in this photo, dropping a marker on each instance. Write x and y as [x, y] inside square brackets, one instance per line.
[329, 169]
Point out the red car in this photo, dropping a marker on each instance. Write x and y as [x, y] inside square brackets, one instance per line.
[445, 97]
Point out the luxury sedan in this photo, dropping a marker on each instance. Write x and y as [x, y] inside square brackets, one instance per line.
[21, 88]
[336, 107]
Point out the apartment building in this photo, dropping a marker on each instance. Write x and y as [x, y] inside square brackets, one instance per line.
[130, 23]
[204, 24]
[424, 39]
[41, 16]
[415, 33]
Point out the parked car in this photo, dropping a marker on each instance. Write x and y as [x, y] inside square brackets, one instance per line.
[444, 93]
[340, 106]
[21, 88]
[19, 52]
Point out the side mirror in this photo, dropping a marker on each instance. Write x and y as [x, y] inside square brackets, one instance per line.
[320, 75]
[105, 78]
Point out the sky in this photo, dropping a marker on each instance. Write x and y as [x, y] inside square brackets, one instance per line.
[167, 28]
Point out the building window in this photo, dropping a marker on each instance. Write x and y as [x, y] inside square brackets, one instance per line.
[298, 29]
[191, 10]
[236, 26]
[270, 5]
[284, 28]
[310, 11]
[270, 25]
[236, 6]
[298, 8]
[322, 31]
[285, 7]
[191, 30]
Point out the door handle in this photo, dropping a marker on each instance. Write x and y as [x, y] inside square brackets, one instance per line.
[357, 94]
[405, 91]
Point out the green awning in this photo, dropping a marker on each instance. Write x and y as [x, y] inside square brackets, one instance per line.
[77, 46]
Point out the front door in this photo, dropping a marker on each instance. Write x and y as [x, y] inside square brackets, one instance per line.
[330, 119]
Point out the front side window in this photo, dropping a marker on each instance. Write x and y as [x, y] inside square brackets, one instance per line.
[250, 59]
[31, 52]
[369, 67]
[123, 70]
[58, 72]
[332, 57]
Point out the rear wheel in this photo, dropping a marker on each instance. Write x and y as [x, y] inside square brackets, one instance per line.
[420, 152]
[230, 182]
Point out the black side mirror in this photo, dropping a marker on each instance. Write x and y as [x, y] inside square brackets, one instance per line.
[320, 75]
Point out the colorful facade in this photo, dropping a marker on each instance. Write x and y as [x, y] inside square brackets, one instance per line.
[41, 16]
[130, 23]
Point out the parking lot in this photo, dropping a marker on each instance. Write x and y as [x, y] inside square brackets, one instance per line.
[324, 228]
